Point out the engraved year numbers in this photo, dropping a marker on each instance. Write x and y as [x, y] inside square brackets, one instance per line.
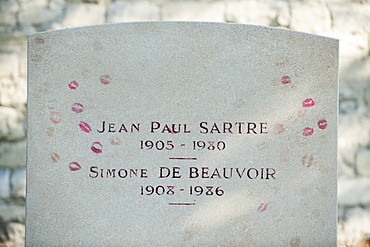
[158, 145]
[209, 145]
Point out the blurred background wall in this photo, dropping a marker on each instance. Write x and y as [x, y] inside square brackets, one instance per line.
[347, 20]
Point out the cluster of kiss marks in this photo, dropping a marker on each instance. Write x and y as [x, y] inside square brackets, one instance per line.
[307, 160]
[307, 103]
[96, 147]
[322, 124]
[55, 117]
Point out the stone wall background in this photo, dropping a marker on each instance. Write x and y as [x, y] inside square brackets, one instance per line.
[347, 20]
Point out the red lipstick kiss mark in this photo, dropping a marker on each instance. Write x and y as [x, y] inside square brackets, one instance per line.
[307, 131]
[307, 160]
[55, 117]
[73, 85]
[77, 108]
[85, 127]
[262, 207]
[105, 79]
[97, 147]
[54, 157]
[308, 103]
[74, 166]
[285, 79]
[322, 124]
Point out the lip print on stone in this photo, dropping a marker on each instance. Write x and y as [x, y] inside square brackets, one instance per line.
[55, 117]
[262, 207]
[97, 147]
[307, 131]
[85, 127]
[322, 124]
[73, 85]
[74, 166]
[105, 79]
[77, 108]
[285, 79]
[308, 103]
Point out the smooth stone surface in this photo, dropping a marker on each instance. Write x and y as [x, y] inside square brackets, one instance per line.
[253, 164]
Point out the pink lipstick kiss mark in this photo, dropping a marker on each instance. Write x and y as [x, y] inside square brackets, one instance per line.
[54, 157]
[55, 117]
[97, 147]
[285, 79]
[308, 103]
[307, 131]
[77, 108]
[262, 207]
[105, 79]
[74, 166]
[85, 127]
[73, 85]
[307, 160]
[322, 124]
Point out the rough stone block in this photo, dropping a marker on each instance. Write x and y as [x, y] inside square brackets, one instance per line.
[13, 154]
[4, 183]
[26, 4]
[354, 75]
[193, 11]
[8, 10]
[351, 135]
[16, 234]
[357, 220]
[310, 16]
[11, 124]
[350, 17]
[22, 65]
[12, 213]
[9, 64]
[367, 97]
[37, 16]
[57, 4]
[13, 93]
[18, 183]
[13, 41]
[363, 162]
[352, 45]
[83, 15]
[133, 11]
[344, 169]
[353, 191]
[253, 12]
[283, 13]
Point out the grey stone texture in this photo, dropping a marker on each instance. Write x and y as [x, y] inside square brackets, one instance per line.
[347, 20]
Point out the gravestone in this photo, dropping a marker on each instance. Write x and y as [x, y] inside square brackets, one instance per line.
[181, 134]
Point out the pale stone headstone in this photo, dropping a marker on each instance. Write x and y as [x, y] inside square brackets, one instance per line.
[181, 134]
